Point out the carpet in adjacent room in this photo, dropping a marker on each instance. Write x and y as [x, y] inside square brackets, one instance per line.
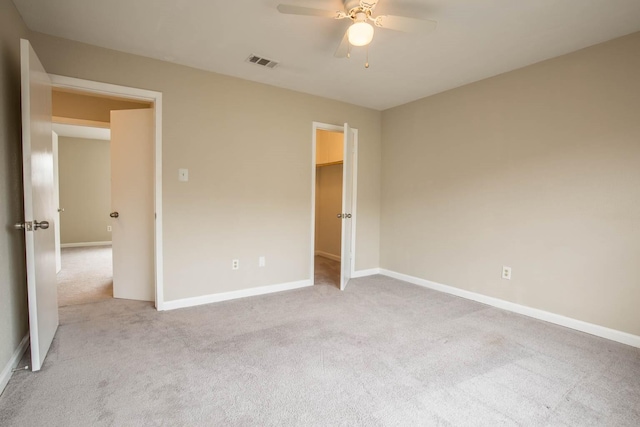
[86, 275]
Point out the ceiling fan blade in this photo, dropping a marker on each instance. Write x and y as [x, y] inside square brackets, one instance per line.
[307, 11]
[406, 25]
[343, 49]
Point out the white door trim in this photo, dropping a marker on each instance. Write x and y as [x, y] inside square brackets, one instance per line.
[56, 199]
[156, 99]
[354, 204]
[324, 126]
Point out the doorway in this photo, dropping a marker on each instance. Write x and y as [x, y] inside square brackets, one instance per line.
[90, 184]
[82, 178]
[328, 224]
[333, 188]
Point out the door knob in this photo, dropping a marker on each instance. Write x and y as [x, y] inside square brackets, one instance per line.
[114, 214]
[31, 225]
[42, 224]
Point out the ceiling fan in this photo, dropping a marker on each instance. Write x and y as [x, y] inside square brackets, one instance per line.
[360, 32]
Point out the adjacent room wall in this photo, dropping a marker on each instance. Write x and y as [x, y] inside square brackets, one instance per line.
[93, 108]
[85, 190]
[329, 147]
[248, 150]
[537, 169]
[13, 288]
[328, 206]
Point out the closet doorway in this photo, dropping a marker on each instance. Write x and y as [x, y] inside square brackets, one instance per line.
[334, 188]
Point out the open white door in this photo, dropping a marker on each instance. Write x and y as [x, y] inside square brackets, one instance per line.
[132, 202]
[39, 207]
[347, 203]
[56, 201]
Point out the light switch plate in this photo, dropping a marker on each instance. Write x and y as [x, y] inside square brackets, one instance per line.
[183, 175]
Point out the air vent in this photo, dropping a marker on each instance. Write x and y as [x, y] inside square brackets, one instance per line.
[269, 63]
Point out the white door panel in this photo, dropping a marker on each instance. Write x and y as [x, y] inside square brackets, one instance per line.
[39, 204]
[132, 196]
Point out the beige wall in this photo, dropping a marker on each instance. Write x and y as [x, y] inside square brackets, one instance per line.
[328, 206]
[13, 298]
[537, 169]
[248, 150]
[85, 189]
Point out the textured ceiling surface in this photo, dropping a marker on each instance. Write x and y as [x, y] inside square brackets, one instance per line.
[474, 39]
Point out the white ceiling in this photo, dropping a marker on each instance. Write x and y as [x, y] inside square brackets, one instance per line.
[475, 39]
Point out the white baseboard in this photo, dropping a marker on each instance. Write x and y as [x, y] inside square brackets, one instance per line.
[568, 322]
[5, 376]
[82, 244]
[328, 256]
[365, 273]
[225, 296]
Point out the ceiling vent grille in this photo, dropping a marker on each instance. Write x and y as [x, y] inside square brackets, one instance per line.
[258, 60]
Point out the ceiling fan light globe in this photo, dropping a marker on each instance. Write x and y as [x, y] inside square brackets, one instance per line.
[360, 34]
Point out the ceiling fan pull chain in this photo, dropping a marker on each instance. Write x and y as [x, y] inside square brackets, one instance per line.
[366, 65]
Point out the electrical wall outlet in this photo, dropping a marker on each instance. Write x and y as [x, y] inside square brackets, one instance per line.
[262, 262]
[108, 228]
[506, 272]
[235, 264]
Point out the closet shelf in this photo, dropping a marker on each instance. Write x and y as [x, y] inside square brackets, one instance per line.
[319, 165]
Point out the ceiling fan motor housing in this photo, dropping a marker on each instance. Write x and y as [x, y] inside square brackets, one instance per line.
[351, 4]
[358, 10]
[359, 17]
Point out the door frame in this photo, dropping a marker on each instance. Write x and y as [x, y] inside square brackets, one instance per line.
[155, 98]
[333, 128]
[56, 199]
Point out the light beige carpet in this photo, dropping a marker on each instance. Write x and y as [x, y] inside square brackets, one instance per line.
[86, 275]
[326, 272]
[381, 353]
